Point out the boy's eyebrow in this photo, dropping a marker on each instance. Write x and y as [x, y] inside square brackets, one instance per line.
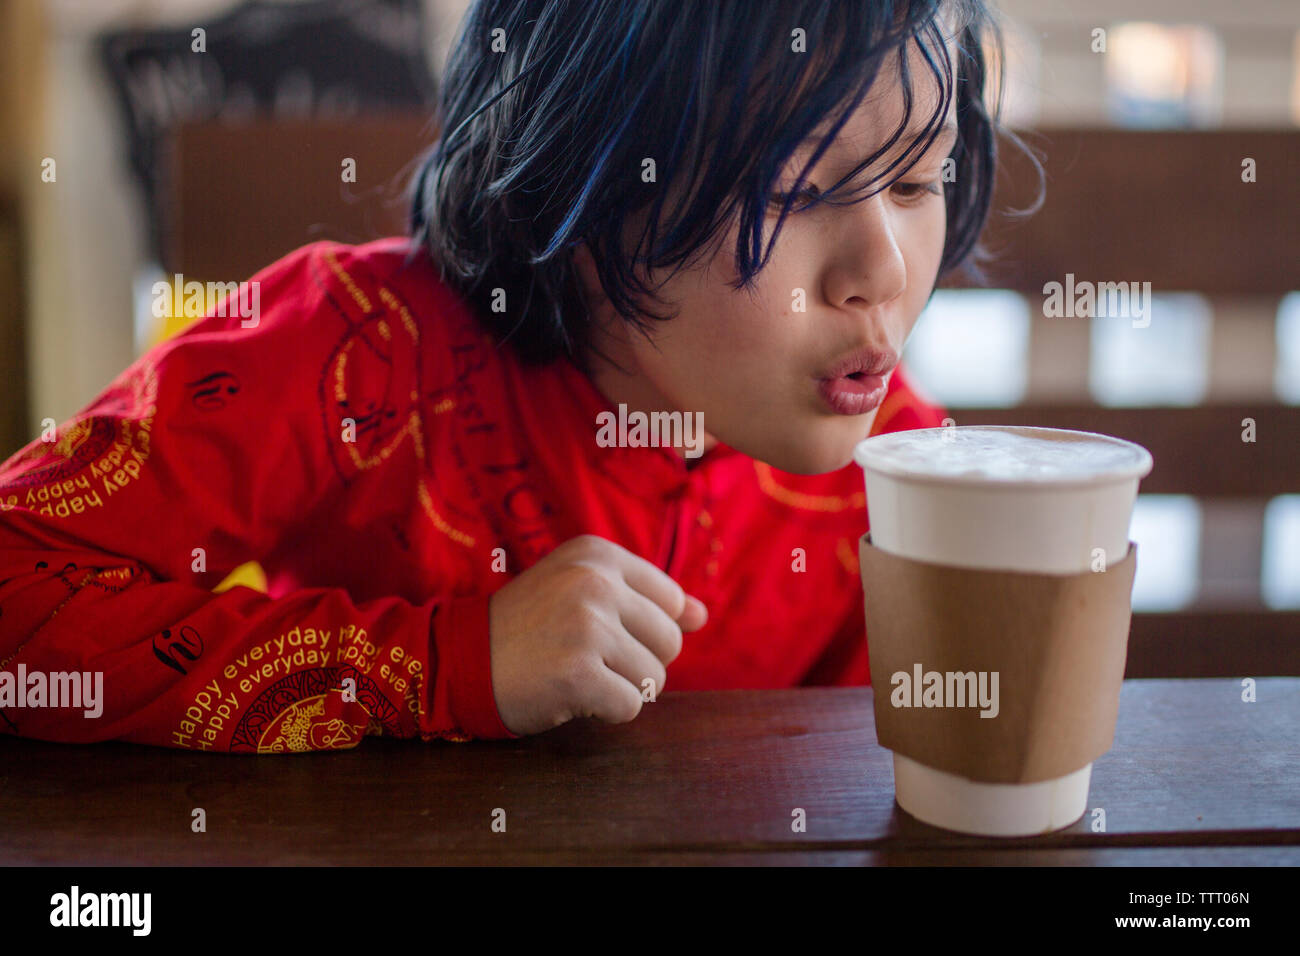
[949, 128]
[946, 133]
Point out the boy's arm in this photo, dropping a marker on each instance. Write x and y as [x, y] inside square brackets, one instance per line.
[206, 453]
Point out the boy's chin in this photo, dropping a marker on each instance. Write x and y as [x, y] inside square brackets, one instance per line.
[805, 459]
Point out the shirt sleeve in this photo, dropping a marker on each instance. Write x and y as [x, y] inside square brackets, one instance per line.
[208, 452]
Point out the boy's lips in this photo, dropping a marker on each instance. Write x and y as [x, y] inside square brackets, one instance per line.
[853, 395]
[857, 383]
[866, 361]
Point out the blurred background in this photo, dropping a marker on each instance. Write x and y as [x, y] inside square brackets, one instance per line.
[149, 138]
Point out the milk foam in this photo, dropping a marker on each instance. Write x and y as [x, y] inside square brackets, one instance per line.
[993, 453]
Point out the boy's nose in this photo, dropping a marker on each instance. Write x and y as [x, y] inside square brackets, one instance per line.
[869, 269]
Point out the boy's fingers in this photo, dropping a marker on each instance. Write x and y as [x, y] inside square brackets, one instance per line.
[612, 698]
[629, 658]
[644, 577]
[647, 579]
[648, 623]
[694, 616]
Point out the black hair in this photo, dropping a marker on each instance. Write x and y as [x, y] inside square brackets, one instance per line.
[549, 108]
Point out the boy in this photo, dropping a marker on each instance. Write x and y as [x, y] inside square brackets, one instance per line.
[586, 434]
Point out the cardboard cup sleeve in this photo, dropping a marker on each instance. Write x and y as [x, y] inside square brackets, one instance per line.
[1057, 642]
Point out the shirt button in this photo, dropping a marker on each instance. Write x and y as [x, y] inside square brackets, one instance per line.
[705, 519]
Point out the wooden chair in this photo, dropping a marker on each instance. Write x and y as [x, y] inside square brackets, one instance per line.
[239, 195]
[1171, 208]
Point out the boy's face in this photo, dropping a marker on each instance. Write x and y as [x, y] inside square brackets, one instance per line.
[755, 365]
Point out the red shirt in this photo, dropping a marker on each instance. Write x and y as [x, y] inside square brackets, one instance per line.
[229, 444]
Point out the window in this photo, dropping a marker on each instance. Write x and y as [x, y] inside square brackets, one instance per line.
[1163, 75]
[1280, 571]
[1163, 360]
[1286, 377]
[1167, 531]
[970, 347]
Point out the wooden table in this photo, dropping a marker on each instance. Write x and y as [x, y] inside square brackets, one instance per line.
[1196, 776]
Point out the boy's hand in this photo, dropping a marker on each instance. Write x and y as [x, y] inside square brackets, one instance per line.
[576, 634]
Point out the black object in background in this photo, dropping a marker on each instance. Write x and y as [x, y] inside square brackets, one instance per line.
[317, 58]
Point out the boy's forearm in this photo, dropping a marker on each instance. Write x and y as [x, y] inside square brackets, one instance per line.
[237, 671]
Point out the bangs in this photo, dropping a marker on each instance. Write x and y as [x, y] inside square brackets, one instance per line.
[548, 145]
[849, 68]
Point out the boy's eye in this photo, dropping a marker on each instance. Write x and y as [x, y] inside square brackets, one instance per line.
[802, 197]
[915, 191]
[905, 191]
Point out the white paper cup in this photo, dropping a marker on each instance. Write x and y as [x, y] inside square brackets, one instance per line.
[1006, 498]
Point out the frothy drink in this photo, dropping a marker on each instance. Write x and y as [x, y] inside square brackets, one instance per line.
[1013, 499]
[1003, 454]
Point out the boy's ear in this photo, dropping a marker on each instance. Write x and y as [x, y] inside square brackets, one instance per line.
[584, 266]
[582, 258]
